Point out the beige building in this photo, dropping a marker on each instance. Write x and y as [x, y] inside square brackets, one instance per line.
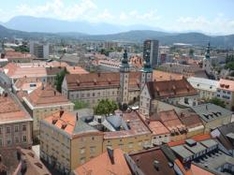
[15, 123]
[212, 116]
[175, 92]
[67, 142]
[44, 101]
[93, 87]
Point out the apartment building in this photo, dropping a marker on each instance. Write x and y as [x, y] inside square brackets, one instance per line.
[15, 123]
[67, 142]
[44, 101]
[206, 88]
[130, 133]
[225, 92]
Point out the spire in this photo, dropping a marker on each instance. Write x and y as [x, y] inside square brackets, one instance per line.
[147, 66]
[124, 66]
[207, 54]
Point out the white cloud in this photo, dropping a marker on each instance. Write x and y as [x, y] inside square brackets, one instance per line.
[135, 17]
[219, 24]
[57, 9]
[104, 16]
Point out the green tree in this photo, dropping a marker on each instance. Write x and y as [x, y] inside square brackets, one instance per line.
[191, 52]
[59, 79]
[105, 107]
[217, 101]
[80, 104]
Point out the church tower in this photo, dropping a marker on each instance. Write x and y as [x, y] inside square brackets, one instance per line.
[146, 72]
[124, 79]
[206, 61]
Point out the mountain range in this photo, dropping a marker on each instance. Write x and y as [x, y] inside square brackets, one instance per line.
[35, 28]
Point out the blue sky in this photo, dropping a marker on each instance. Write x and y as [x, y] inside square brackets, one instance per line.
[208, 16]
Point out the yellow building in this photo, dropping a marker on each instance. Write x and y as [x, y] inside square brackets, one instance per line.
[133, 138]
[15, 123]
[67, 142]
[44, 101]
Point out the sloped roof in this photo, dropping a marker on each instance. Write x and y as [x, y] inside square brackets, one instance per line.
[11, 111]
[226, 84]
[170, 119]
[145, 162]
[102, 165]
[72, 126]
[46, 95]
[209, 112]
[170, 88]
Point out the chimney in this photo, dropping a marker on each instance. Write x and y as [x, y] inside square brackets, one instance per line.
[23, 167]
[0, 158]
[110, 152]
[206, 107]
[77, 116]
[156, 165]
[99, 74]
[61, 113]
[54, 93]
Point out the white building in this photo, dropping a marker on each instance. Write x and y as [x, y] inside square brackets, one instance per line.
[206, 88]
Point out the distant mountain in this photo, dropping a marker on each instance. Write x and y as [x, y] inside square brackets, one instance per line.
[131, 36]
[167, 38]
[49, 25]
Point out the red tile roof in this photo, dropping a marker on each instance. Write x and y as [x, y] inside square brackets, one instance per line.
[102, 165]
[11, 111]
[197, 138]
[170, 119]
[171, 88]
[158, 128]
[226, 85]
[46, 95]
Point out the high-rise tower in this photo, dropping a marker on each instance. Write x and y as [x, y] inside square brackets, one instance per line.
[151, 46]
[124, 79]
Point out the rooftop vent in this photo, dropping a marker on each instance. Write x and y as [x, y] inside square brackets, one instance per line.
[64, 125]
[190, 142]
[110, 152]
[31, 154]
[39, 165]
[78, 82]
[227, 86]
[156, 164]
[54, 120]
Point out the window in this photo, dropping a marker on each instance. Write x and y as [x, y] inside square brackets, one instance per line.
[16, 128]
[24, 139]
[0, 130]
[1, 142]
[8, 130]
[82, 150]
[9, 141]
[92, 149]
[16, 139]
[93, 94]
[24, 128]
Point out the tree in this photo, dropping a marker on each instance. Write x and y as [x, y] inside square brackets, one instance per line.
[59, 79]
[80, 104]
[105, 107]
[191, 52]
[217, 101]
